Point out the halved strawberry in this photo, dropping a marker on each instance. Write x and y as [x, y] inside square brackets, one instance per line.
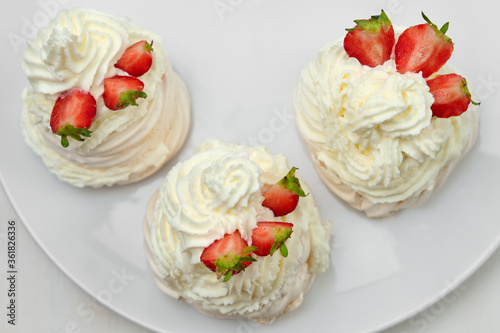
[72, 115]
[283, 197]
[423, 48]
[451, 95]
[269, 236]
[137, 59]
[371, 41]
[122, 91]
[228, 255]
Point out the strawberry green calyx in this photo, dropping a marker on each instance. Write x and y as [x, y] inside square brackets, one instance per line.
[148, 46]
[129, 98]
[466, 91]
[373, 24]
[292, 183]
[280, 236]
[440, 32]
[230, 263]
[383, 18]
[72, 131]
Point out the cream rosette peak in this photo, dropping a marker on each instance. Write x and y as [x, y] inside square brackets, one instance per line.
[216, 192]
[79, 49]
[371, 132]
[207, 200]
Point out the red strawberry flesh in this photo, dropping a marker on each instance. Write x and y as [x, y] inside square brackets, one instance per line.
[228, 255]
[72, 115]
[423, 48]
[122, 91]
[371, 41]
[269, 236]
[137, 59]
[283, 197]
[451, 95]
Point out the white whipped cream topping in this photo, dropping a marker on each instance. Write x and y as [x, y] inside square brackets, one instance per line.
[79, 49]
[209, 195]
[373, 127]
[215, 192]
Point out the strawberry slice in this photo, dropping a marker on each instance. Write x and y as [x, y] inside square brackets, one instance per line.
[122, 91]
[269, 236]
[423, 48]
[137, 59]
[72, 114]
[283, 197]
[451, 95]
[228, 256]
[371, 41]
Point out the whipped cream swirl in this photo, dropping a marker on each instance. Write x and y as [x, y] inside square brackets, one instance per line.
[218, 191]
[78, 49]
[373, 127]
[209, 195]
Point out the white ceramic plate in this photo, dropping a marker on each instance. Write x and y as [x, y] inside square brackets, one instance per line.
[240, 61]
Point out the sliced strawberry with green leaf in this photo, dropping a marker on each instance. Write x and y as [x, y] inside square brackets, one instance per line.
[228, 256]
[72, 115]
[423, 48]
[269, 236]
[283, 197]
[451, 95]
[122, 91]
[371, 41]
[137, 59]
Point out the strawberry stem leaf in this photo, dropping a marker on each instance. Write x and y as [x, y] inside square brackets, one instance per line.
[228, 264]
[466, 91]
[148, 46]
[274, 247]
[427, 19]
[292, 183]
[284, 250]
[373, 24]
[228, 275]
[64, 141]
[445, 27]
[280, 237]
[248, 259]
[129, 98]
[383, 19]
[248, 250]
[72, 131]
[441, 31]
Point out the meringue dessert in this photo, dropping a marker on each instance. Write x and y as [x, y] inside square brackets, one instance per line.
[103, 105]
[385, 129]
[218, 236]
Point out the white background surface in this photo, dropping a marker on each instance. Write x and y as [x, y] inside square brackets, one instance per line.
[50, 302]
